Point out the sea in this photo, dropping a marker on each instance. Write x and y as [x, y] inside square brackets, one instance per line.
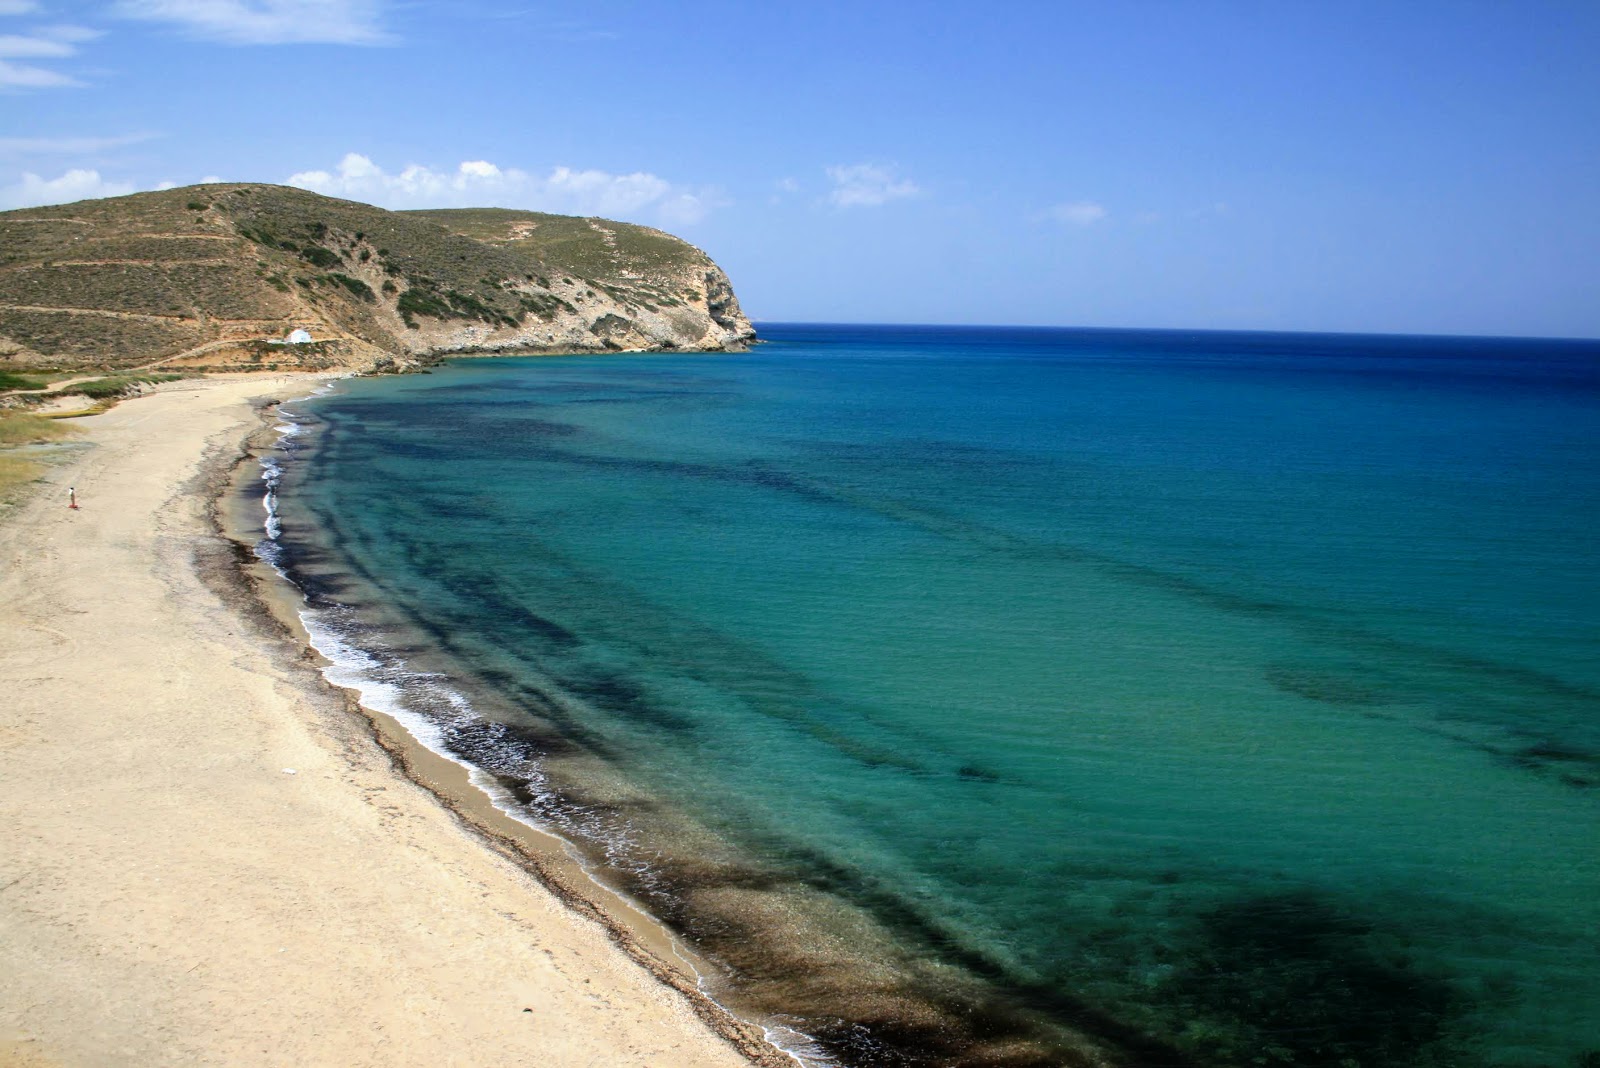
[1014, 697]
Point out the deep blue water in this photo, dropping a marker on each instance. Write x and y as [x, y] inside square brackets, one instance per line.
[985, 695]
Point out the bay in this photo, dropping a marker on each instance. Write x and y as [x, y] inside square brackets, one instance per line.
[1013, 696]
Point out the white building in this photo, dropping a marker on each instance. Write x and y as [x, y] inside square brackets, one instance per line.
[299, 337]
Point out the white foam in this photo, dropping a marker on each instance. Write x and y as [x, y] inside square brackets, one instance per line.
[797, 1046]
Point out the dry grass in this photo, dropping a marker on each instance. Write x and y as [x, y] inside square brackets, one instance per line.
[16, 472]
[25, 428]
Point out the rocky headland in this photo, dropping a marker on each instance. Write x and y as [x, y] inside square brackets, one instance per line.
[216, 277]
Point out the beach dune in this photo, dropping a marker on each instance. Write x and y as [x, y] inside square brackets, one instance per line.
[205, 858]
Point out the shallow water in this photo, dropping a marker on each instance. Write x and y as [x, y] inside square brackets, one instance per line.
[980, 696]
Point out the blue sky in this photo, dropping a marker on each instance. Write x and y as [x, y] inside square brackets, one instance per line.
[1401, 166]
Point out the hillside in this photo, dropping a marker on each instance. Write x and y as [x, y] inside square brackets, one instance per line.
[206, 276]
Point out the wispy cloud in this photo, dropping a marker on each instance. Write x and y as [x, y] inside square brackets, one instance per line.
[267, 22]
[67, 146]
[18, 7]
[868, 185]
[15, 46]
[32, 190]
[69, 33]
[28, 76]
[1078, 213]
[479, 183]
[42, 43]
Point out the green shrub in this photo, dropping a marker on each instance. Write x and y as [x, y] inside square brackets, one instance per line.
[544, 305]
[466, 306]
[418, 301]
[11, 380]
[356, 286]
[118, 385]
[319, 256]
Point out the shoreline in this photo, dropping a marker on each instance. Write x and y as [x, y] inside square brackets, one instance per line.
[544, 854]
[94, 933]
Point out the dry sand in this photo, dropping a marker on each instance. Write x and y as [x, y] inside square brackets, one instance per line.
[169, 894]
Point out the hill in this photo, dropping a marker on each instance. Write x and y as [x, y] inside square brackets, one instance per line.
[206, 277]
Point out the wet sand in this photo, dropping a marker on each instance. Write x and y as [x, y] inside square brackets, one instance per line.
[208, 857]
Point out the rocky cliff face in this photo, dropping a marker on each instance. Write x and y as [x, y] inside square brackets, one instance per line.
[210, 276]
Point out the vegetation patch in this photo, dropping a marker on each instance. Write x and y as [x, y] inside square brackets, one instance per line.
[15, 472]
[544, 305]
[117, 386]
[355, 285]
[25, 428]
[10, 380]
[420, 299]
[320, 257]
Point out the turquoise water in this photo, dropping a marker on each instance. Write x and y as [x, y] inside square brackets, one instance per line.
[982, 696]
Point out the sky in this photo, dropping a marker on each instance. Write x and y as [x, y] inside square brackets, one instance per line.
[1405, 167]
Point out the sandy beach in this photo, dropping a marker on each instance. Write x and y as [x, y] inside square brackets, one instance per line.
[207, 858]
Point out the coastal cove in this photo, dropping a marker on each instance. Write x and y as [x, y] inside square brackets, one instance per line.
[1008, 697]
[940, 536]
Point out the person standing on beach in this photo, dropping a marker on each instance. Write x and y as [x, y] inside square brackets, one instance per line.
[72, 497]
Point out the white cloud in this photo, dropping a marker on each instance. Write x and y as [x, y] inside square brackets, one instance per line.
[251, 22]
[27, 76]
[17, 7]
[66, 146]
[33, 190]
[17, 47]
[479, 183]
[68, 33]
[47, 42]
[1078, 213]
[868, 185]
